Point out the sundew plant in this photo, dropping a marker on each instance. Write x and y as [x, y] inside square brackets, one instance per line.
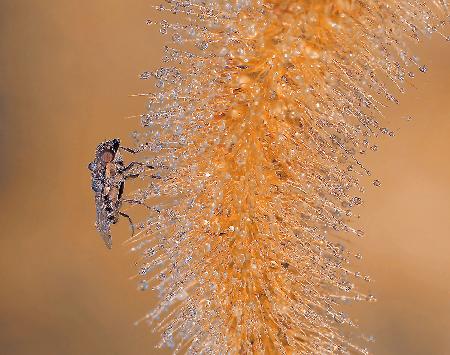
[262, 112]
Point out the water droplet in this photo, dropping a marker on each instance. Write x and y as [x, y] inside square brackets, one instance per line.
[356, 200]
[241, 259]
[339, 318]
[143, 285]
[145, 75]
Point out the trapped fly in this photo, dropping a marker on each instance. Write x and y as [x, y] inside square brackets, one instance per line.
[109, 174]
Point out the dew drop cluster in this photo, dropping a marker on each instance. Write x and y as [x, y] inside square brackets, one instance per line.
[257, 126]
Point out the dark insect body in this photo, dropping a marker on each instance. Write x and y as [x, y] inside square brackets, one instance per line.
[108, 181]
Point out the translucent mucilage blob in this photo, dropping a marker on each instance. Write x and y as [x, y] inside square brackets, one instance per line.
[256, 130]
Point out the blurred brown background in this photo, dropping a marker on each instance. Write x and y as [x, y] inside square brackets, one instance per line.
[67, 68]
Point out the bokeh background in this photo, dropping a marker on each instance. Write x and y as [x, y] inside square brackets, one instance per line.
[67, 68]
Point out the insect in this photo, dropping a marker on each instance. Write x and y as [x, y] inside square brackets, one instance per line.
[109, 174]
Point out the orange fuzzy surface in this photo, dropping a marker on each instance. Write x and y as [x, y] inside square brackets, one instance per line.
[258, 128]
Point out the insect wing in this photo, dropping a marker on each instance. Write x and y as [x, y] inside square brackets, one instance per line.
[102, 223]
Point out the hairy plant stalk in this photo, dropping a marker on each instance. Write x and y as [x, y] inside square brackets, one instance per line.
[256, 133]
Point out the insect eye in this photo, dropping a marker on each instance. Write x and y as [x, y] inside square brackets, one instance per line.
[107, 156]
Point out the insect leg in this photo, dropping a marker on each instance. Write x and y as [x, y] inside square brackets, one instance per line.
[137, 202]
[131, 176]
[129, 166]
[129, 220]
[136, 163]
[131, 150]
